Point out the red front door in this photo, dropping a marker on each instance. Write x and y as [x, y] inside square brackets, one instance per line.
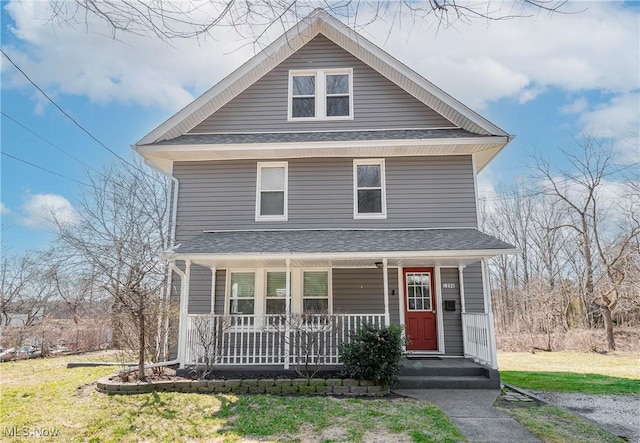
[420, 309]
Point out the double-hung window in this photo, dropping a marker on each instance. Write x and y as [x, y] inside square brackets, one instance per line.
[276, 300]
[315, 292]
[321, 94]
[271, 194]
[369, 193]
[242, 293]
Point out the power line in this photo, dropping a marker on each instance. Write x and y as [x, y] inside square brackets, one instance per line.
[47, 141]
[75, 122]
[44, 169]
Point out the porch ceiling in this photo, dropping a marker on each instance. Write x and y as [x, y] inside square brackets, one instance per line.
[340, 248]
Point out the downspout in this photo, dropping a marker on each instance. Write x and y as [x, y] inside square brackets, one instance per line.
[170, 228]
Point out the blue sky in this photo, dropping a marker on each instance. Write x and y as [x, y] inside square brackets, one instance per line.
[545, 79]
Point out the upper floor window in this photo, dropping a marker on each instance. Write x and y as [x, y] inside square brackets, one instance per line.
[369, 193]
[271, 194]
[323, 94]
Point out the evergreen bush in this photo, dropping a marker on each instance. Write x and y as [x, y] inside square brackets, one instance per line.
[373, 354]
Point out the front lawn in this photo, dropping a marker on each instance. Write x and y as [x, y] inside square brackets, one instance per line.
[587, 373]
[38, 395]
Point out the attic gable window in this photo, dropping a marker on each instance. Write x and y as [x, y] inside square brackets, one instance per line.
[321, 94]
[271, 191]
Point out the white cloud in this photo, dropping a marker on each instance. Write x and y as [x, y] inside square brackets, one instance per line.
[476, 63]
[40, 211]
[618, 120]
[3, 209]
[576, 107]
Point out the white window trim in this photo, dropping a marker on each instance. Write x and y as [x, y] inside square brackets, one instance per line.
[260, 291]
[264, 292]
[285, 216]
[257, 286]
[329, 288]
[369, 215]
[320, 94]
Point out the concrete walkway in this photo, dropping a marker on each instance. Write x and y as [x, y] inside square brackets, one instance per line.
[473, 413]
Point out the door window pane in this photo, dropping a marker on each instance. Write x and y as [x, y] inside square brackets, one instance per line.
[419, 291]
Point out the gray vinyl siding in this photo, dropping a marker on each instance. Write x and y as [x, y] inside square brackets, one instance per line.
[361, 291]
[200, 290]
[421, 192]
[452, 319]
[221, 287]
[377, 102]
[473, 291]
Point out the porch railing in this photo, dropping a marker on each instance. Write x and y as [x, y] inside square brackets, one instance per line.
[477, 338]
[271, 339]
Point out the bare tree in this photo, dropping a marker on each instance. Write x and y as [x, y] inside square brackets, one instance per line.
[25, 287]
[121, 235]
[605, 251]
[169, 19]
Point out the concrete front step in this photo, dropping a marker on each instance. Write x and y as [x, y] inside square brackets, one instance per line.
[447, 382]
[450, 371]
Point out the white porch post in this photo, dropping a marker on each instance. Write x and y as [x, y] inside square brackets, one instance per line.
[463, 308]
[184, 312]
[488, 309]
[385, 280]
[213, 290]
[287, 308]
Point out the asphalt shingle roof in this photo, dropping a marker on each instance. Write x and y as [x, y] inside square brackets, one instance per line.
[296, 137]
[337, 241]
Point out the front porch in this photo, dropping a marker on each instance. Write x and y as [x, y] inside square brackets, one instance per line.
[290, 340]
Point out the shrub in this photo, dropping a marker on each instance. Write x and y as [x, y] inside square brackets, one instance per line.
[373, 354]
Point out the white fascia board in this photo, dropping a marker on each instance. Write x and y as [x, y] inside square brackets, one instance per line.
[151, 149]
[479, 254]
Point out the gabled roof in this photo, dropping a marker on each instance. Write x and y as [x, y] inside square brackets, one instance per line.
[319, 22]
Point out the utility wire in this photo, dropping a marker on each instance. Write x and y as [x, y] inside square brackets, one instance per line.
[86, 131]
[47, 141]
[44, 169]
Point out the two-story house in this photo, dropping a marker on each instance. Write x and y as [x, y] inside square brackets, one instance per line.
[324, 177]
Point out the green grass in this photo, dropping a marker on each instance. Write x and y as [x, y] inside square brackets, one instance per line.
[43, 394]
[555, 425]
[571, 382]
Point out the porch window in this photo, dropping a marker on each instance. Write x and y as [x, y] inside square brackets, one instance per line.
[369, 193]
[243, 293]
[276, 292]
[315, 292]
[271, 195]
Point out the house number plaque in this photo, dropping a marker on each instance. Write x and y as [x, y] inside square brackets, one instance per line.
[448, 285]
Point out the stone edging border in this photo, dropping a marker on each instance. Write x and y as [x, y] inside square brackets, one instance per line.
[347, 387]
